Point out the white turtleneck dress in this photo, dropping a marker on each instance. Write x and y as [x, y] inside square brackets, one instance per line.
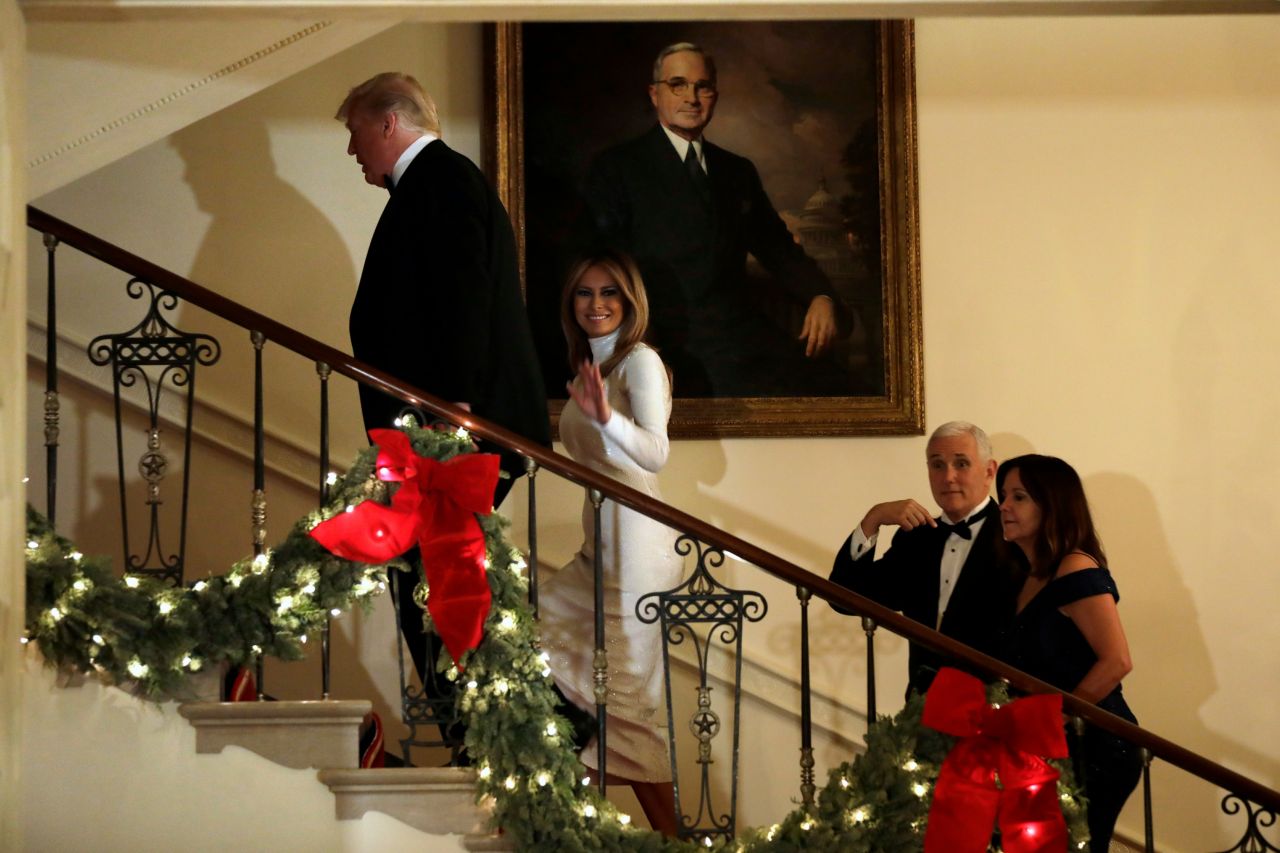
[638, 557]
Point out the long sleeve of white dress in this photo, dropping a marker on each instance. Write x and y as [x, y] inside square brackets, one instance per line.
[643, 436]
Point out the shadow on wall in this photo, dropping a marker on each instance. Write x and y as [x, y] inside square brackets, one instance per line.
[268, 247]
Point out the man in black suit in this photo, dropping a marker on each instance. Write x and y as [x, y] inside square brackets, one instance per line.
[943, 572]
[689, 212]
[439, 303]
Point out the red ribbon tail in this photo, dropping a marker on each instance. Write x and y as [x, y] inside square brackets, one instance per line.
[459, 597]
[964, 810]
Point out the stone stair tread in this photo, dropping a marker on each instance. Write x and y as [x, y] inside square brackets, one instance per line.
[298, 734]
[437, 800]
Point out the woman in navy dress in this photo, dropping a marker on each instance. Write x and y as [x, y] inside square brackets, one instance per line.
[1067, 628]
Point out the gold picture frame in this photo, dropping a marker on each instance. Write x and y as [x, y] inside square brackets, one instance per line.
[894, 407]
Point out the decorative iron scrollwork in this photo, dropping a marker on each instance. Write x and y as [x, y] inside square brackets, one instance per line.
[1258, 819]
[720, 611]
[154, 355]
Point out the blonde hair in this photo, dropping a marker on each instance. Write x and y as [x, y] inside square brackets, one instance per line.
[393, 92]
[635, 324]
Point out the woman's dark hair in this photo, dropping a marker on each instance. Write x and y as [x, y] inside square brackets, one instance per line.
[1065, 522]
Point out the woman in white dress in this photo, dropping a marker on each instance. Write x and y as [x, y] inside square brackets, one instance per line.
[616, 423]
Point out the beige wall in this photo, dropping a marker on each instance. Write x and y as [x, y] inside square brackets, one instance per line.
[1098, 212]
[13, 434]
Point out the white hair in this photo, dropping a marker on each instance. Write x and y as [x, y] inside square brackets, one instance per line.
[951, 429]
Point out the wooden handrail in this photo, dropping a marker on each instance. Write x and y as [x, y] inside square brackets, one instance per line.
[344, 364]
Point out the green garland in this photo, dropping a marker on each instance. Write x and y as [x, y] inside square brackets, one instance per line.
[141, 631]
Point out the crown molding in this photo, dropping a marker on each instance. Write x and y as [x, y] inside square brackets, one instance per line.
[515, 10]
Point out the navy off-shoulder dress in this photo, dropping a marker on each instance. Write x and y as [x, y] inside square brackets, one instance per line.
[1046, 643]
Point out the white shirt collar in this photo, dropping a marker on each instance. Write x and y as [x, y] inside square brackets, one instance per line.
[406, 157]
[682, 146]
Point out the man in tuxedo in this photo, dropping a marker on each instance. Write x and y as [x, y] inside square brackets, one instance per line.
[439, 303]
[941, 571]
[689, 212]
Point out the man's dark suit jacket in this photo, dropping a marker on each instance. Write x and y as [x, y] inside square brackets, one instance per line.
[906, 578]
[439, 302]
[692, 254]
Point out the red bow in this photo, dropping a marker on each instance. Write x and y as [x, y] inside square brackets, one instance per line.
[996, 771]
[435, 508]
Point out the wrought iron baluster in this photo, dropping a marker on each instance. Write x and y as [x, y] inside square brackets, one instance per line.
[51, 402]
[323, 371]
[600, 662]
[703, 601]
[531, 472]
[869, 628]
[258, 507]
[1149, 845]
[807, 786]
[147, 356]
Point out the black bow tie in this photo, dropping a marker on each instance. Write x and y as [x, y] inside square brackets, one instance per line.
[960, 528]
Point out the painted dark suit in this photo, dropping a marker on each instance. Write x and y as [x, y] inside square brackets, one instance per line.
[692, 253]
[439, 306]
[439, 302]
[906, 578]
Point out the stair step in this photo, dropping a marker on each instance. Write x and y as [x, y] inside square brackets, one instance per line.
[294, 734]
[438, 800]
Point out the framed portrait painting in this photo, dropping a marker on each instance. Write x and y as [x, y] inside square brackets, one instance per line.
[780, 253]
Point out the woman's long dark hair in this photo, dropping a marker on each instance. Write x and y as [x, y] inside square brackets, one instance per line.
[1066, 524]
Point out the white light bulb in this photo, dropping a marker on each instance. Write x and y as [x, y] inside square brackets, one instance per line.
[543, 778]
[97, 638]
[485, 772]
[586, 780]
[32, 545]
[806, 826]
[137, 668]
[331, 478]
[80, 586]
[510, 783]
[911, 766]
[624, 819]
[919, 789]
[199, 586]
[551, 729]
[859, 815]
[501, 687]
[257, 649]
[164, 608]
[76, 556]
[462, 433]
[260, 563]
[472, 684]
[350, 508]
[303, 639]
[589, 810]
[335, 612]
[508, 622]
[186, 660]
[55, 614]
[131, 582]
[286, 604]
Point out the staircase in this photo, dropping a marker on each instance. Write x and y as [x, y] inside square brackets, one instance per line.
[275, 776]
